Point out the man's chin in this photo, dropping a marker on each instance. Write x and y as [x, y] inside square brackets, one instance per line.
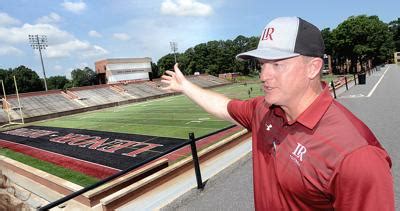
[270, 100]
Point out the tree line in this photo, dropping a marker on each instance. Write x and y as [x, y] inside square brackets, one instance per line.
[359, 40]
[28, 81]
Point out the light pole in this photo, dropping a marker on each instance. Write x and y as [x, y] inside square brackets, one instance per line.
[39, 42]
[174, 48]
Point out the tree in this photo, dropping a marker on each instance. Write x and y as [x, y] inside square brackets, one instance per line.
[57, 82]
[85, 77]
[27, 80]
[394, 27]
[327, 37]
[360, 39]
[165, 63]
[154, 71]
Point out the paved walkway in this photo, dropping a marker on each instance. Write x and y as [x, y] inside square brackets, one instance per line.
[376, 103]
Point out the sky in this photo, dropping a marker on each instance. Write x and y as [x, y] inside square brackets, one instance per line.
[80, 32]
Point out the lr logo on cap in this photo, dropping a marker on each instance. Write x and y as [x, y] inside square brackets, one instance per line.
[267, 34]
[299, 151]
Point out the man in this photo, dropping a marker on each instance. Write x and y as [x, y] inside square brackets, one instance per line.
[309, 152]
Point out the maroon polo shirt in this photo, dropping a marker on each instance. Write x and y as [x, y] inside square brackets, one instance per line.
[326, 159]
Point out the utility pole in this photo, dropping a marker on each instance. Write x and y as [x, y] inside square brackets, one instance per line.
[39, 42]
[174, 48]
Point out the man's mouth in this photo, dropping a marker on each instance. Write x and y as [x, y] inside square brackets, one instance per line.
[268, 88]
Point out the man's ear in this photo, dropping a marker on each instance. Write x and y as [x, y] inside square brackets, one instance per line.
[314, 67]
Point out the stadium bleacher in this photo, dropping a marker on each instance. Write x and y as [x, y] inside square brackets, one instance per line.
[42, 103]
[92, 96]
[36, 104]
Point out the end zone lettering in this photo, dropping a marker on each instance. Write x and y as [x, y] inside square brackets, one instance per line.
[30, 133]
[125, 147]
[104, 145]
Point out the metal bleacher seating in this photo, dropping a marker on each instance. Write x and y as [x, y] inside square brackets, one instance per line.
[3, 116]
[37, 105]
[99, 96]
[137, 90]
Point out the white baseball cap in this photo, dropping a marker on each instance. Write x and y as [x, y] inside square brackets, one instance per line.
[287, 37]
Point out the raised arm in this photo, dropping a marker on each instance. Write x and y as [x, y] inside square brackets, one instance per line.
[212, 102]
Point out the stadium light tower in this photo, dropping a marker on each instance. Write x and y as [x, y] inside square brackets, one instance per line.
[174, 48]
[39, 42]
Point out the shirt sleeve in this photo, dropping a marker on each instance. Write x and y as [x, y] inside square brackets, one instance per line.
[364, 181]
[242, 111]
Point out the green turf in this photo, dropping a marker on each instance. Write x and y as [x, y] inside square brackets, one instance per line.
[174, 116]
[67, 174]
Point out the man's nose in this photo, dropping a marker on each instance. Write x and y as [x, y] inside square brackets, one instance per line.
[266, 72]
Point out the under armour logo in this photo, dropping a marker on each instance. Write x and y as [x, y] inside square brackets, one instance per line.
[268, 127]
[299, 151]
[267, 34]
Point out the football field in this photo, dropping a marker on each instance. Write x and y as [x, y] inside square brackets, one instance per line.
[173, 116]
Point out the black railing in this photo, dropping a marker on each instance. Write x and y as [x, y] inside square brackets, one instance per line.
[192, 141]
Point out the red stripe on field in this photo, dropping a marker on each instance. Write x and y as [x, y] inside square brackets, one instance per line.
[85, 167]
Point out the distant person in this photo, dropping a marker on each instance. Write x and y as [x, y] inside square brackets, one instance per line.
[309, 152]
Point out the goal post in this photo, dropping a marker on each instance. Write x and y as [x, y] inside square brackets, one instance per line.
[8, 107]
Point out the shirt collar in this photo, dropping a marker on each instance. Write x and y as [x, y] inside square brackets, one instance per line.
[313, 113]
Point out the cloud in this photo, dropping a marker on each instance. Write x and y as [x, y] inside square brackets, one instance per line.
[94, 33]
[20, 34]
[5, 19]
[75, 7]
[74, 47]
[185, 8]
[60, 43]
[121, 36]
[9, 50]
[57, 68]
[51, 18]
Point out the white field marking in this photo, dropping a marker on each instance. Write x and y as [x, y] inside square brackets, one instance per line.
[167, 126]
[61, 155]
[193, 121]
[168, 119]
[146, 102]
[203, 119]
[376, 85]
